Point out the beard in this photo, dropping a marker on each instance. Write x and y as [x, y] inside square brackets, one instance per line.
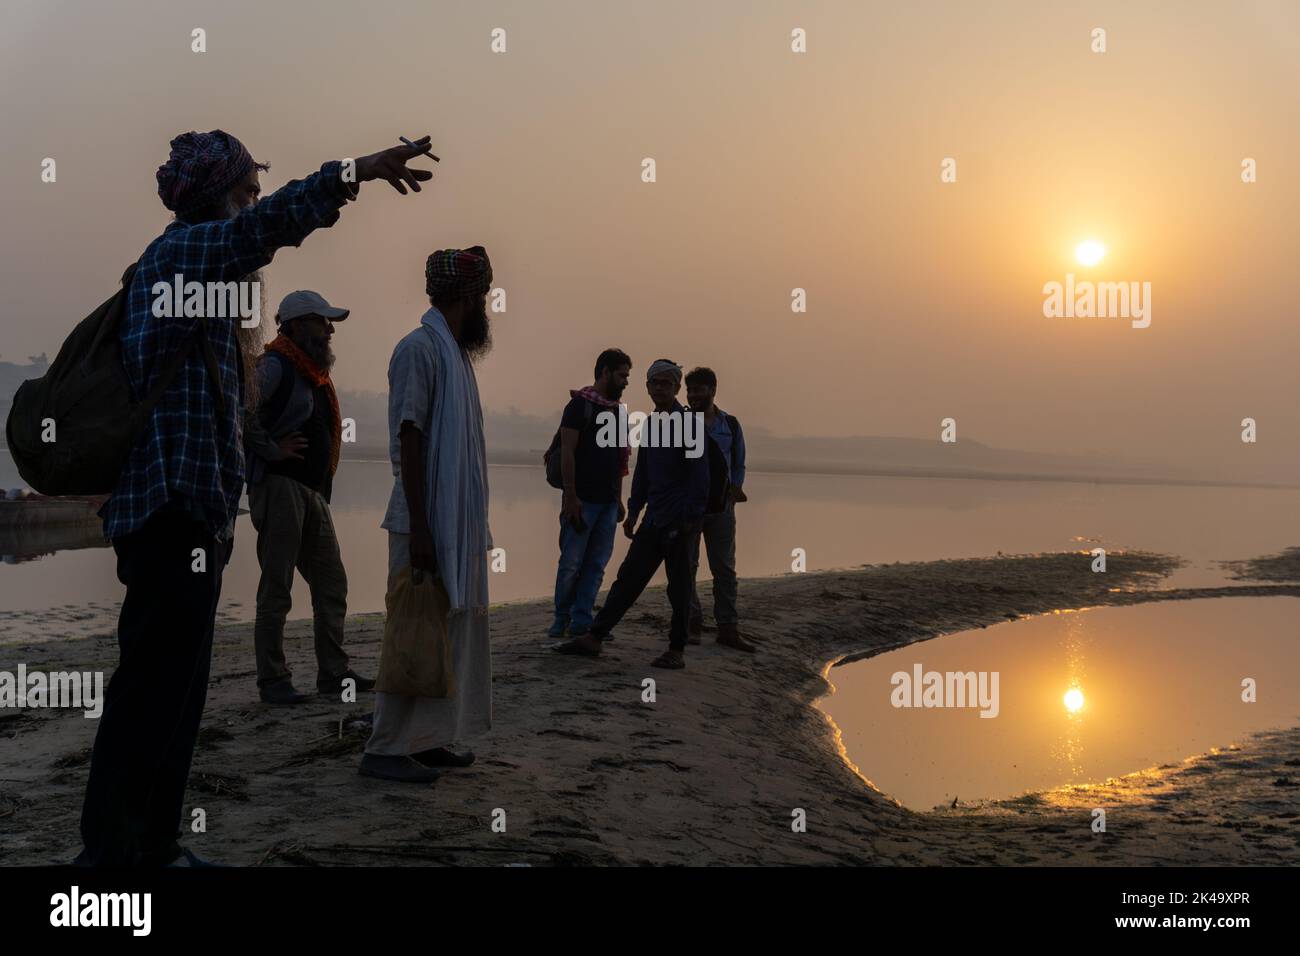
[476, 334]
[616, 391]
[320, 352]
[252, 343]
[315, 347]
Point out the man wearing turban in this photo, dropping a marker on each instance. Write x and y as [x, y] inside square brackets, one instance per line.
[437, 521]
[171, 516]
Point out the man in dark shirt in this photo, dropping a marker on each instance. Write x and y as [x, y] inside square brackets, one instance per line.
[293, 441]
[671, 482]
[592, 505]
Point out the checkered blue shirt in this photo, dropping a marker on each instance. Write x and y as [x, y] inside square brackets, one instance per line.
[187, 449]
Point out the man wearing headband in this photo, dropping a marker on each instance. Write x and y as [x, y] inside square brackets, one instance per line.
[178, 494]
[673, 488]
[437, 519]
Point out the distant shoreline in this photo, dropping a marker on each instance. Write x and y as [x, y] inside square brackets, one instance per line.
[822, 469]
[832, 469]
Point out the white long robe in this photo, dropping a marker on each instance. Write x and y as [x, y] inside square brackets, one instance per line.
[431, 383]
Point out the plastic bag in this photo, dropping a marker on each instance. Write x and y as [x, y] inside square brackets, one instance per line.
[415, 658]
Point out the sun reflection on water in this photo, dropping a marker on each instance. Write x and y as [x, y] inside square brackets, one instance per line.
[1069, 749]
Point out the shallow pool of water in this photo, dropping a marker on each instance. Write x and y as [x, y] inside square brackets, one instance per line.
[1080, 696]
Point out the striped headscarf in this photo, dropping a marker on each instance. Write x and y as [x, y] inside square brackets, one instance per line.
[200, 169]
[456, 273]
[659, 366]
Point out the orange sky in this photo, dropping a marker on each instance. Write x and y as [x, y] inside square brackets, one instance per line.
[775, 170]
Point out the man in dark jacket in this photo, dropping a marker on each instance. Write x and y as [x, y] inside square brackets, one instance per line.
[719, 529]
[293, 453]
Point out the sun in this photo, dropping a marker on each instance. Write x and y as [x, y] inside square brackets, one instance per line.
[1089, 252]
[1073, 700]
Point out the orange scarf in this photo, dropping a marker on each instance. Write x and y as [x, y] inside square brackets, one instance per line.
[318, 377]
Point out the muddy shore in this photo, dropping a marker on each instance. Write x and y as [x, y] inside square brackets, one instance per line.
[586, 773]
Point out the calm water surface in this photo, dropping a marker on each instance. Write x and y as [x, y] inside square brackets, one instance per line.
[839, 521]
[1153, 684]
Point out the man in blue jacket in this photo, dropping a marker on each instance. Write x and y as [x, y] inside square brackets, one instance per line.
[719, 531]
[671, 482]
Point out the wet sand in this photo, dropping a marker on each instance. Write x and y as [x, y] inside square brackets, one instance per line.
[586, 773]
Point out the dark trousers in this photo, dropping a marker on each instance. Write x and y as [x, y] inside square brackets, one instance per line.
[141, 759]
[651, 547]
[719, 536]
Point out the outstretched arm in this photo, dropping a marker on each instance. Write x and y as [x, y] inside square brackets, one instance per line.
[228, 249]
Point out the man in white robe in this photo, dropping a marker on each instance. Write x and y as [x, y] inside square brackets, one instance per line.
[437, 519]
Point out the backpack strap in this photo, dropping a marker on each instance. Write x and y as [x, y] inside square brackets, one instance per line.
[174, 361]
[210, 360]
[164, 379]
[588, 410]
[110, 328]
[273, 409]
[198, 339]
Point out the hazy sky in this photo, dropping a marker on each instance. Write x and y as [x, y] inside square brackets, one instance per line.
[775, 170]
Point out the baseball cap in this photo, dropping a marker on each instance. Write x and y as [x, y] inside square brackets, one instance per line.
[305, 302]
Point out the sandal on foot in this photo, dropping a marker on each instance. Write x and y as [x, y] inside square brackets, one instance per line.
[670, 660]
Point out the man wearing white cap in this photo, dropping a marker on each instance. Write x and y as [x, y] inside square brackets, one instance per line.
[293, 439]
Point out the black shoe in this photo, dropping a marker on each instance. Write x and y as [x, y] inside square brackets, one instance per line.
[583, 646]
[402, 769]
[670, 660]
[694, 632]
[282, 693]
[442, 757]
[334, 685]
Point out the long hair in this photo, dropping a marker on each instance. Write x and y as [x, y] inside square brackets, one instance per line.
[251, 341]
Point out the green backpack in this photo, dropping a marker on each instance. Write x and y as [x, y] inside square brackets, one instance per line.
[71, 431]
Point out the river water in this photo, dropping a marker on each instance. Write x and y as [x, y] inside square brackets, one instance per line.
[837, 521]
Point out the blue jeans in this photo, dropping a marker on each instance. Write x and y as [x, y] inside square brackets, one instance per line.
[583, 556]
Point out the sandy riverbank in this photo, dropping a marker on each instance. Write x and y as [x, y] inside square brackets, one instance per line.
[709, 774]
